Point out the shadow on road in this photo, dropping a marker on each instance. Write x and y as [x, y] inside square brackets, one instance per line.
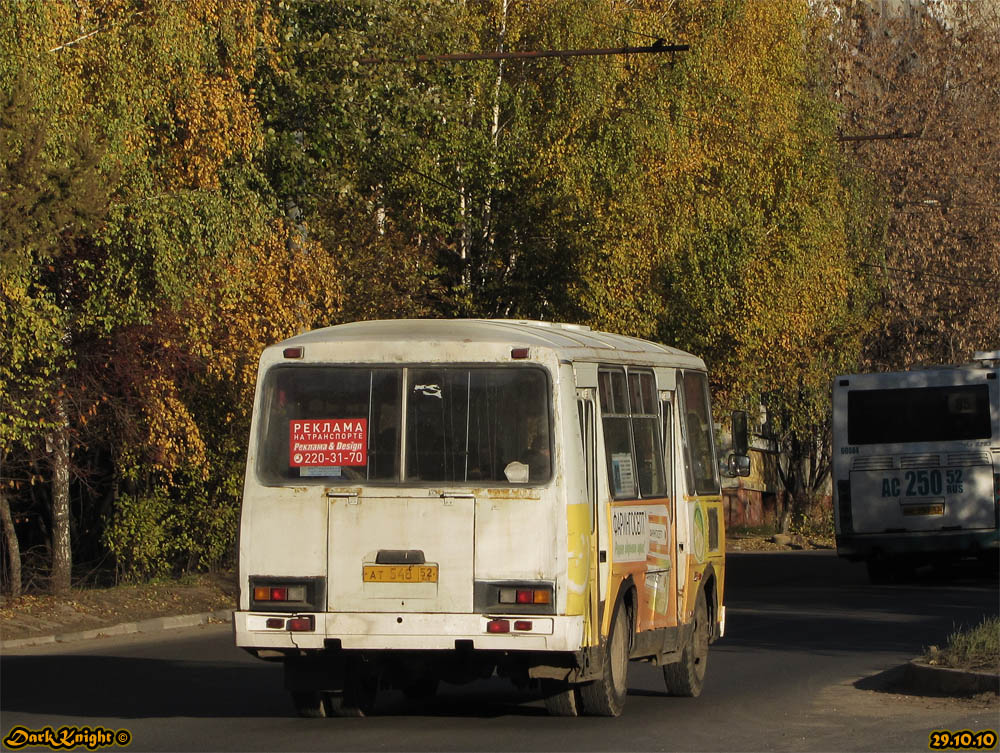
[113, 686]
[131, 687]
[817, 603]
[893, 680]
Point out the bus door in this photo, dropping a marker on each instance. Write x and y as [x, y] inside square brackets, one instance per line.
[390, 552]
[586, 401]
[700, 532]
[631, 422]
[598, 575]
[665, 606]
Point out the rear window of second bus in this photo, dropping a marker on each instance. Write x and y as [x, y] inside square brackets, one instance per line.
[919, 414]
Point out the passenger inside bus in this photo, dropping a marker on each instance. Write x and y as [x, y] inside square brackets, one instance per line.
[537, 458]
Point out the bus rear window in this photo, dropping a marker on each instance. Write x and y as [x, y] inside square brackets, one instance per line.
[461, 424]
[919, 414]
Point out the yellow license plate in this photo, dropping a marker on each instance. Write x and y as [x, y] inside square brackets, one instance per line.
[923, 509]
[400, 573]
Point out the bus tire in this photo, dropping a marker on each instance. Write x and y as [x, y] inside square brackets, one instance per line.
[357, 698]
[309, 704]
[989, 564]
[687, 676]
[561, 698]
[606, 695]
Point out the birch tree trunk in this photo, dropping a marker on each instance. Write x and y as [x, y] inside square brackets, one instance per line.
[488, 226]
[495, 126]
[13, 548]
[62, 559]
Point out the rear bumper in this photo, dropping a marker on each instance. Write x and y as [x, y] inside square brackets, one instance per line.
[931, 543]
[406, 631]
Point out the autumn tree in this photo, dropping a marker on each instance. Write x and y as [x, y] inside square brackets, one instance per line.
[475, 188]
[49, 205]
[150, 364]
[352, 149]
[760, 266]
[921, 114]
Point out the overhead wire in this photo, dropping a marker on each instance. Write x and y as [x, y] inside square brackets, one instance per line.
[932, 276]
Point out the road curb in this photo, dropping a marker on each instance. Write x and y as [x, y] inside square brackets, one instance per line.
[151, 625]
[927, 679]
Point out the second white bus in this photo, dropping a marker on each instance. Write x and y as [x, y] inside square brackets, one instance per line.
[916, 466]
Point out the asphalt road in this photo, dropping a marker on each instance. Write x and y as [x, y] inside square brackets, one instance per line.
[807, 650]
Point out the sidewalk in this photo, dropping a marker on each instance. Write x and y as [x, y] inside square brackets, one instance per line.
[152, 625]
[85, 613]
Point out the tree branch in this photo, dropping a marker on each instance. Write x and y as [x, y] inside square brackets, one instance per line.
[78, 39]
[95, 31]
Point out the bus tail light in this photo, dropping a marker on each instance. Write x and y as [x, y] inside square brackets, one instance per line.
[533, 596]
[300, 624]
[526, 595]
[287, 594]
[541, 596]
[501, 626]
[279, 593]
[518, 598]
[304, 624]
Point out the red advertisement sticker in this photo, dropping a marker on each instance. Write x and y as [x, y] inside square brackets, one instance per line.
[328, 442]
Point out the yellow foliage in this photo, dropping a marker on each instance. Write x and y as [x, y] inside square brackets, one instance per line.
[264, 293]
[168, 83]
[172, 435]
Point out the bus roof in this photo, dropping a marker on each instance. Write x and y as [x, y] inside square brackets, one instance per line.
[572, 341]
[917, 375]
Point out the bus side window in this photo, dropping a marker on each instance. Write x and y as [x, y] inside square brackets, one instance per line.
[631, 433]
[696, 434]
[617, 434]
[646, 433]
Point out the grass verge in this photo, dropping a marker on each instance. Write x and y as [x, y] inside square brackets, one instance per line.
[972, 648]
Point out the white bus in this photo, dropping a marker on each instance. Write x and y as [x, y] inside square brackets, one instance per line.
[432, 500]
[916, 466]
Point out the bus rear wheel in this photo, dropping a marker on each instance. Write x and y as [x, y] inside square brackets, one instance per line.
[561, 698]
[687, 676]
[883, 569]
[606, 695]
[357, 697]
[309, 704]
